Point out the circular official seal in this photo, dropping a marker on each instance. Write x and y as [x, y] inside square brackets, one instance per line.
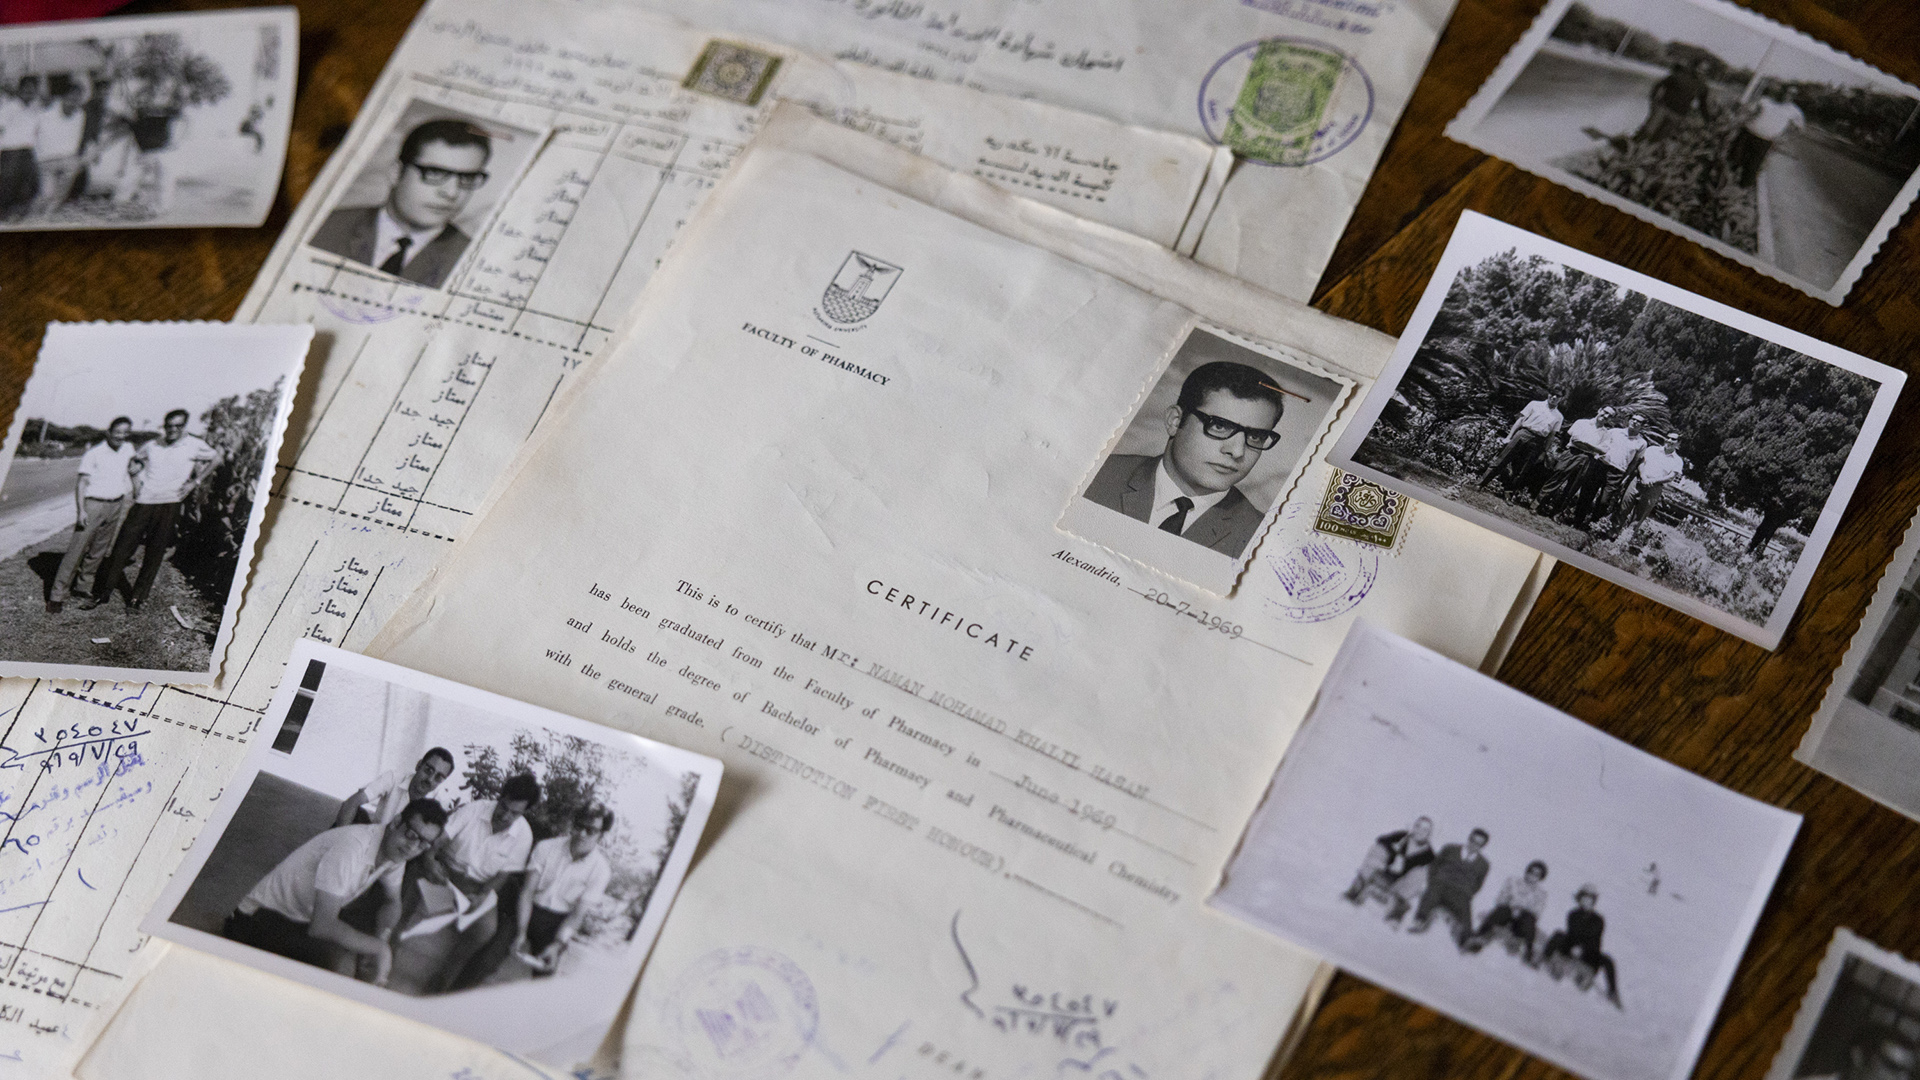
[1286, 101]
[745, 1013]
[1365, 499]
[1321, 577]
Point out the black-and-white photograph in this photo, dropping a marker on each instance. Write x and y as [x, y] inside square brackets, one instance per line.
[132, 488]
[1196, 473]
[151, 121]
[1455, 841]
[1690, 452]
[425, 191]
[1712, 122]
[1866, 733]
[445, 854]
[1859, 1020]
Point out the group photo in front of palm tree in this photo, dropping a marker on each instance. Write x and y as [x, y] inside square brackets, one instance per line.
[1619, 429]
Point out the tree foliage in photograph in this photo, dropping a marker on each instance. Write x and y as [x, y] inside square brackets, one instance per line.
[161, 75]
[1763, 429]
[575, 772]
[213, 526]
[572, 773]
[1684, 176]
[678, 806]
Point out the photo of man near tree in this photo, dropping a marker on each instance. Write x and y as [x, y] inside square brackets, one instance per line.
[128, 494]
[165, 472]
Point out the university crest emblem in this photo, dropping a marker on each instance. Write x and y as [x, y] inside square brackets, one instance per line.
[856, 291]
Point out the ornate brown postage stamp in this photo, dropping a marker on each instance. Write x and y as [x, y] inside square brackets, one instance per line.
[731, 71]
[1362, 510]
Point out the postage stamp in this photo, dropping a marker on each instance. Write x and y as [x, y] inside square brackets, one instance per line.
[1359, 509]
[734, 72]
[1286, 101]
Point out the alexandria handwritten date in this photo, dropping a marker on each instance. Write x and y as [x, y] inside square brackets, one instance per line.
[1200, 615]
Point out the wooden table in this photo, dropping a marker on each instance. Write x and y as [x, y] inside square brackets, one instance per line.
[1660, 680]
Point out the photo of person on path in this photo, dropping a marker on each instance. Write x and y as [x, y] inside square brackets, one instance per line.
[100, 498]
[1737, 132]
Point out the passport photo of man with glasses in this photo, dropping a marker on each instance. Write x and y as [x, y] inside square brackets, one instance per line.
[411, 234]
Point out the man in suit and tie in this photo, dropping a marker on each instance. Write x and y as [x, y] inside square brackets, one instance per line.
[411, 235]
[1224, 418]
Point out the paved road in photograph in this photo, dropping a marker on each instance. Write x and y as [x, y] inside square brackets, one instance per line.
[1823, 203]
[1541, 115]
[36, 502]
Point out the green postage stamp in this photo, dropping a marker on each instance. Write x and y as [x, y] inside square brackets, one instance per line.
[1283, 101]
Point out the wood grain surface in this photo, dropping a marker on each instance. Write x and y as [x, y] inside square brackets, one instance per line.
[1657, 679]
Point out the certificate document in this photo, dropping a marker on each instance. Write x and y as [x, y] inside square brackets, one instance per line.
[804, 519]
[981, 771]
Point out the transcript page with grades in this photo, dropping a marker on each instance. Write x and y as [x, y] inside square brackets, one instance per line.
[415, 399]
[982, 773]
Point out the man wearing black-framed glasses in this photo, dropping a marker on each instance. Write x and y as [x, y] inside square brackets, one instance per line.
[1226, 416]
[295, 910]
[411, 235]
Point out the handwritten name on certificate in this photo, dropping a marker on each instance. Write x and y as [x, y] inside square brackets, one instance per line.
[980, 772]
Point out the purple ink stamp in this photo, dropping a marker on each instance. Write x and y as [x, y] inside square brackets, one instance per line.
[745, 1013]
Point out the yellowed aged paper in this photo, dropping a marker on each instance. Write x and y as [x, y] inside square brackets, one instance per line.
[1005, 877]
[421, 388]
[1304, 92]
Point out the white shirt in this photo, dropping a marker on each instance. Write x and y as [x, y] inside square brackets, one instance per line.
[561, 881]
[1588, 433]
[1659, 464]
[1775, 118]
[168, 468]
[343, 861]
[57, 134]
[388, 794]
[1542, 417]
[387, 232]
[19, 124]
[1620, 447]
[478, 851]
[1519, 894]
[1165, 491]
[106, 470]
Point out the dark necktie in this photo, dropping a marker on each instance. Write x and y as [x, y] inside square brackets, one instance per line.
[399, 257]
[1177, 521]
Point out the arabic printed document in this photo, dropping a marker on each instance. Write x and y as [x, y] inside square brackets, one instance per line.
[572, 144]
[1304, 92]
[985, 769]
